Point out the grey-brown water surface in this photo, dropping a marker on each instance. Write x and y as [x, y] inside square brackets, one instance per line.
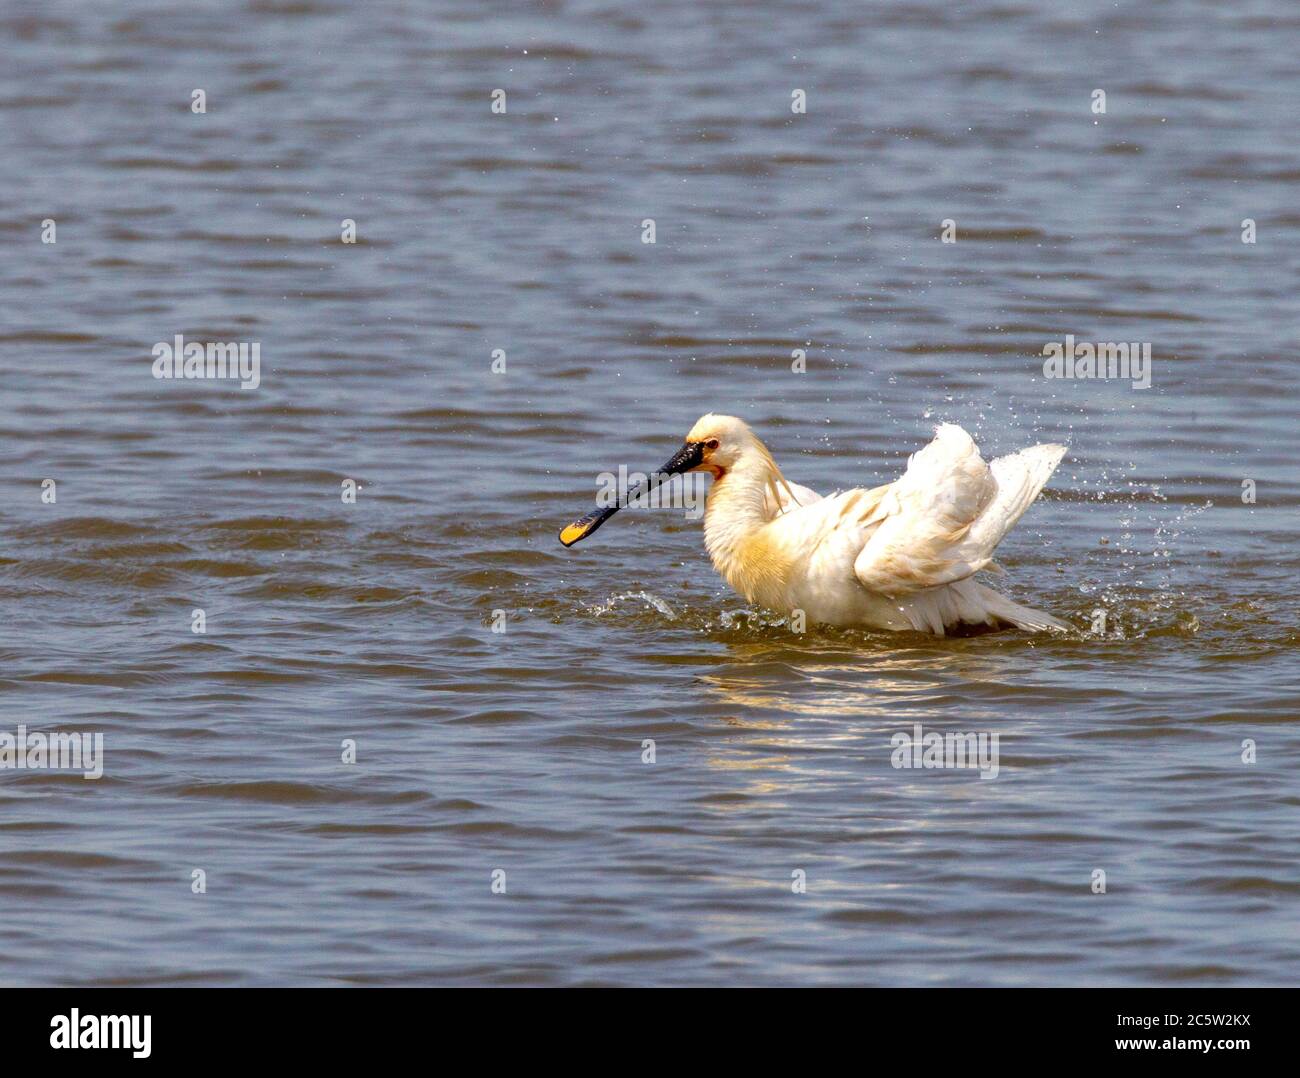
[521, 231]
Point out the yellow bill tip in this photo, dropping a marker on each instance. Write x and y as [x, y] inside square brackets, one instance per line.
[573, 532]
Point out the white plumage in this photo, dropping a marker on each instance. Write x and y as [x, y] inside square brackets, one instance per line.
[900, 556]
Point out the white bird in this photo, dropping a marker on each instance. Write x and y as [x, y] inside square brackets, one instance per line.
[899, 556]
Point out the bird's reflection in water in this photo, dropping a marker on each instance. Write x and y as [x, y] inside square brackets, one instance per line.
[789, 702]
[829, 677]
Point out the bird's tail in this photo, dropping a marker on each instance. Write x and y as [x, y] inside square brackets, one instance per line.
[1022, 617]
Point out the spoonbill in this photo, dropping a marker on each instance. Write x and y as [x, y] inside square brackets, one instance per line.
[899, 556]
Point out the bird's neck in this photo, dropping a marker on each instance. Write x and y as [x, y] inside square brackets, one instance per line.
[735, 519]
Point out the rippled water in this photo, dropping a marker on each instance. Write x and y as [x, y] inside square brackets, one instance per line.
[1121, 750]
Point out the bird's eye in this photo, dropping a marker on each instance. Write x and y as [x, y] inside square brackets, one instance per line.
[712, 443]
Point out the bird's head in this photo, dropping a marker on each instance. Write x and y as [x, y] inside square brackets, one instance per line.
[720, 441]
